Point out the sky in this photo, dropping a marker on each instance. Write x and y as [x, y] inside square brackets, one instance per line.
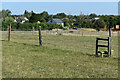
[59, 0]
[73, 8]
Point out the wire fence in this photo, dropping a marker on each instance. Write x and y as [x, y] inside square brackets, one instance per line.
[74, 40]
[78, 33]
[33, 35]
[69, 32]
[62, 32]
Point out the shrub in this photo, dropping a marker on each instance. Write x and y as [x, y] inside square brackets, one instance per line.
[29, 26]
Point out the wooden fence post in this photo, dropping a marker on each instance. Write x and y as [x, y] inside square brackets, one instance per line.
[81, 32]
[97, 47]
[109, 46]
[109, 32]
[40, 37]
[110, 42]
[33, 29]
[9, 33]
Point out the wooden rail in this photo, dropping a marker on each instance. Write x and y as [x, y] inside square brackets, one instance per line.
[107, 46]
[102, 39]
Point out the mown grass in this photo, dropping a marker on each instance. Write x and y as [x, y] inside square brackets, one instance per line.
[59, 57]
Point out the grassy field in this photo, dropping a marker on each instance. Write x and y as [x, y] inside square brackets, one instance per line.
[60, 56]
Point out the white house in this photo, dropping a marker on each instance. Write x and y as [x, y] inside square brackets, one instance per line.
[96, 18]
[20, 19]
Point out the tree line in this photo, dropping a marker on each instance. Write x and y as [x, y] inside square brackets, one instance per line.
[81, 21]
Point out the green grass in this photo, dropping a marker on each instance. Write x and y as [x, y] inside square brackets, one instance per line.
[59, 57]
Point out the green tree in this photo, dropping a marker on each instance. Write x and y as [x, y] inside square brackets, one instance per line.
[33, 18]
[112, 21]
[5, 25]
[118, 20]
[0, 14]
[67, 24]
[99, 24]
[37, 17]
[80, 20]
[92, 15]
[9, 19]
[5, 13]
[45, 15]
[27, 14]
[60, 15]
[42, 20]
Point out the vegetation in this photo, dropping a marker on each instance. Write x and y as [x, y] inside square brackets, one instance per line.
[99, 24]
[27, 14]
[42, 17]
[29, 26]
[5, 13]
[81, 21]
[9, 19]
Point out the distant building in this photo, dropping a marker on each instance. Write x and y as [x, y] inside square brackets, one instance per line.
[57, 21]
[96, 18]
[116, 28]
[20, 19]
[65, 18]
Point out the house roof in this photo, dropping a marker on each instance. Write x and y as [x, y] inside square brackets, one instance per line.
[55, 21]
[20, 19]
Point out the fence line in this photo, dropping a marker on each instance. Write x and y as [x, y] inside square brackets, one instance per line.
[66, 32]
[50, 38]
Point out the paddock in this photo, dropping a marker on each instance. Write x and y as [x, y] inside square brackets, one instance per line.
[70, 55]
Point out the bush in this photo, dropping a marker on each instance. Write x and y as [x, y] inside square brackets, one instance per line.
[65, 29]
[5, 26]
[29, 26]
